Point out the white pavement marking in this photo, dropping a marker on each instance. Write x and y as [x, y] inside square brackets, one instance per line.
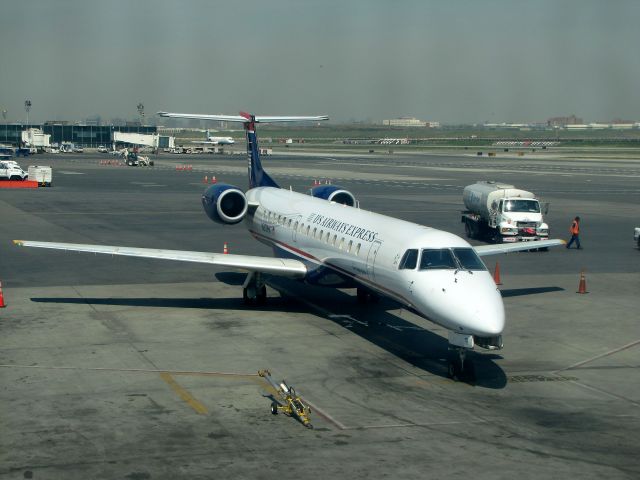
[606, 354]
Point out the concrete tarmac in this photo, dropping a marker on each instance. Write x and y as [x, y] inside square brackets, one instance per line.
[141, 369]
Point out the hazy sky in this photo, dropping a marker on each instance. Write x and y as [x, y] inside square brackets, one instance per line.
[450, 60]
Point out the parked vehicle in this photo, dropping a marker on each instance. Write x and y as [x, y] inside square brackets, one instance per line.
[502, 213]
[636, 236]
[11, 171]
[40, 174]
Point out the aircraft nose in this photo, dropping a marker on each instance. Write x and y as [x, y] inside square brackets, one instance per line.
[468, 303]
[483, 314]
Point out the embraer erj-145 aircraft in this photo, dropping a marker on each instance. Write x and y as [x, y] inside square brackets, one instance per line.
[324, 238]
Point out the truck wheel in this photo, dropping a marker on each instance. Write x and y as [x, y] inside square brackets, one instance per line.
[467, 230]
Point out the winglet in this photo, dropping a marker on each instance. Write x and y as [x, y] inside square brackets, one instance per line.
[19, 243]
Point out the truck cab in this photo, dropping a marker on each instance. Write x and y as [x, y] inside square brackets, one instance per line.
[519, 219]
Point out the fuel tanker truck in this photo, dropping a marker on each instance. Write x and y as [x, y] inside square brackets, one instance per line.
[502, 213]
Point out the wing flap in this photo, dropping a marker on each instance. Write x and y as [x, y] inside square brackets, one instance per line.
[279, 266]
[484, 250]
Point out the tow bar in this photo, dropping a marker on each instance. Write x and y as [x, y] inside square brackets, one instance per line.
[288, 401]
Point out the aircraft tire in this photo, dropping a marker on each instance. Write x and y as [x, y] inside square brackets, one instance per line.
[362, 295]
[261, 298]
[469, 370]
[274, 408]
[246, 299]
[453, 369]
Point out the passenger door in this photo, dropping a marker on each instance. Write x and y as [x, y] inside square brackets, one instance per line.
[371, 259]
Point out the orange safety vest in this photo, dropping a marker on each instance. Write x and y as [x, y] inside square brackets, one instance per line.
[575, 228]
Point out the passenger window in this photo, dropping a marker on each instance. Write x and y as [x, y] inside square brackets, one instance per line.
[349, 246]
[308, 228]
[409, 260]
[295, 226]
[327, 237]
[314, 232]
[333, 240]
[289, 223]
[357, 249]
[341, 243]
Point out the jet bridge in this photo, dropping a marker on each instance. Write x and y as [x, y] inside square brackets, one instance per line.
[136, 139]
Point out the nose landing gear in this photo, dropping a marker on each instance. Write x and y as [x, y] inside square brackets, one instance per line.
[459, 366]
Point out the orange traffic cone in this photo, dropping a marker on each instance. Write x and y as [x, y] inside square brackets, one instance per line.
[496, 275]
[205, 179]
[225, 248]
[2, 304]
[213, 179]
[582, 286]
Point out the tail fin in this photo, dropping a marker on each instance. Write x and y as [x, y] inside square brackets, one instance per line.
[257, 176]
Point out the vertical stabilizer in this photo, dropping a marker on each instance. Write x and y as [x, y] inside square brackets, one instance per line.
[257, 176]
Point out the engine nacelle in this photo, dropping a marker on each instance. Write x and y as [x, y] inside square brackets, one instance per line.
[224, 203]
[334, 193]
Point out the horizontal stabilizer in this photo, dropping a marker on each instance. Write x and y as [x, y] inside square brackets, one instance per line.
[483, 250]
[284, 267]
[241, 119]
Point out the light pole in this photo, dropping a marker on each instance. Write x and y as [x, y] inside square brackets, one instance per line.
[27, 107]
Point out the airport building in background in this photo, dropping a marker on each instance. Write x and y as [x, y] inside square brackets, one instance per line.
[409, 122]
[90, 136]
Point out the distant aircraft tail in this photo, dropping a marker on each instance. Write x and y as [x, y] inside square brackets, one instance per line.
[257, 176]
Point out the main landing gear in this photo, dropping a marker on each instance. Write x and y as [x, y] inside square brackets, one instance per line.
[254, 290]
[459, 366]
[365, 296]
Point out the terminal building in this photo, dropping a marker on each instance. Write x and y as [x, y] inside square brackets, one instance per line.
[409, 122]
[90, 136]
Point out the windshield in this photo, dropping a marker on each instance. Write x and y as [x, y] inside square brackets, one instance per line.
[450, 259]
[530, 206]
[440, 259]
[468, 259]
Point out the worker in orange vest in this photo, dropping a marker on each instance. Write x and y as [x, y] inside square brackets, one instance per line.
[575, 233]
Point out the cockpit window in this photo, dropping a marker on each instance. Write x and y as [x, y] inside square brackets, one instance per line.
[409, 260]
[468, 259]
[440, 259]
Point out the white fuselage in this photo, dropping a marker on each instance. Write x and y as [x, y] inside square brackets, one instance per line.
[367, 247]
[221, 140]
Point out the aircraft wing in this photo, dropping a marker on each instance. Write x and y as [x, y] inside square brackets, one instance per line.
[483, 250]
[277, 266]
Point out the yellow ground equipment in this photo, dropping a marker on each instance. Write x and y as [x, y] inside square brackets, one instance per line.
[288, 401]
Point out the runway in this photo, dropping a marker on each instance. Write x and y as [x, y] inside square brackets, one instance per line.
[140, 369]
